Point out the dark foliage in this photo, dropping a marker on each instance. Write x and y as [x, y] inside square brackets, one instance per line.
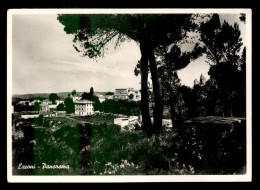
[69, 105]
[61, 107]
[214, 146]
[53, 97]
[119, 107]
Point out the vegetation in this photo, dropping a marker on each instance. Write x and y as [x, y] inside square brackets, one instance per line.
[109, 93]
[202, 141]
[73, 93]
[69, 105]
[53, 97]
[223, 44]
[119, 107]
[37, 106]
[104, 149]
[90, 96]
[149, 31]
[61, 107]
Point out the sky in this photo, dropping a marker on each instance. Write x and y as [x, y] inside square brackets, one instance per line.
[44, 60]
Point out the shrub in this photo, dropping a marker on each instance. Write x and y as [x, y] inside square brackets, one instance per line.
[39, 120]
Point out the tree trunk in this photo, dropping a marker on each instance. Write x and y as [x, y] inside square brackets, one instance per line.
[173, 115]
[158, 109]
[146, 119]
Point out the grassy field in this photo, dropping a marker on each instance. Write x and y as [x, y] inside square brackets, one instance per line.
[104, 149]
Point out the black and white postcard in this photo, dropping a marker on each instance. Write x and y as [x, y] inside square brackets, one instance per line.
[129, 95]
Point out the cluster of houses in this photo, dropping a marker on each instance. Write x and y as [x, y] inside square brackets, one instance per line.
[85, 107]
[48, 109]
[122, 94]
[82, 107]
[126, 94]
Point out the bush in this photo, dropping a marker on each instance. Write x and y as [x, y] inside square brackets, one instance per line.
[213, 148]
[193, 148]
[39, 120]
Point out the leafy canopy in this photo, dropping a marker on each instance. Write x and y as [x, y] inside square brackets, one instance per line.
[93, 31]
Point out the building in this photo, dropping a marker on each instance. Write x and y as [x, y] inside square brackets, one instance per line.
[75, 98]
[136, 95]
[129, 122]
[53, 106]
[121, 94]
[124, 94]
[44, 107]
[47, 101]
[27, 116]
[109, 97]
[84, 107]
[122, 122]
[101, 98]
[59, 102]
[165, 122]
[23, 103]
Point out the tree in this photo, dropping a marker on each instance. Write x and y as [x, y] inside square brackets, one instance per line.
[85, 96]
[172, 58]
[95, 99]
[69, 105]
[91, 93]
[243, 17]
[110, 93]
[131, 97]
[39, 120]
[53, 97]
[93, 32]
[61, 107]
[223, 44]
[73, 93]
[37, 107]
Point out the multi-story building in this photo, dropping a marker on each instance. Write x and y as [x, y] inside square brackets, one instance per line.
[124, 94]
[121, 94]
[84, 107]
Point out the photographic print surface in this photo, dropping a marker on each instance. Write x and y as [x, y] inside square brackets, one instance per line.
[129, 95]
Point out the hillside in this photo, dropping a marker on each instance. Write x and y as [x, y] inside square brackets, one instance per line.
[62, 95]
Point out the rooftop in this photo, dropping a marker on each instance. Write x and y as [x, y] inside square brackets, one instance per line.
[83, 102]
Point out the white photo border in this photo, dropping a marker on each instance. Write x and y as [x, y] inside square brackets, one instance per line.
[133, 178]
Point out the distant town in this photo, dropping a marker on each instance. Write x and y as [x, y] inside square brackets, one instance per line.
[83, 104]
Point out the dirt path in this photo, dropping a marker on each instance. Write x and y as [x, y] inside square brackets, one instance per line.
[80, 121]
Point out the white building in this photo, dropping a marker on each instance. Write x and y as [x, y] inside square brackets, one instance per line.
[101, 98]
[124, 93]
[122, 122]
[165, 122]
[53, 106]
[27, 116]
[23, 102]
[59, 102]
[109, 97]
[47, 101]
[130, 122]
[75, 98]
[84, 107]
